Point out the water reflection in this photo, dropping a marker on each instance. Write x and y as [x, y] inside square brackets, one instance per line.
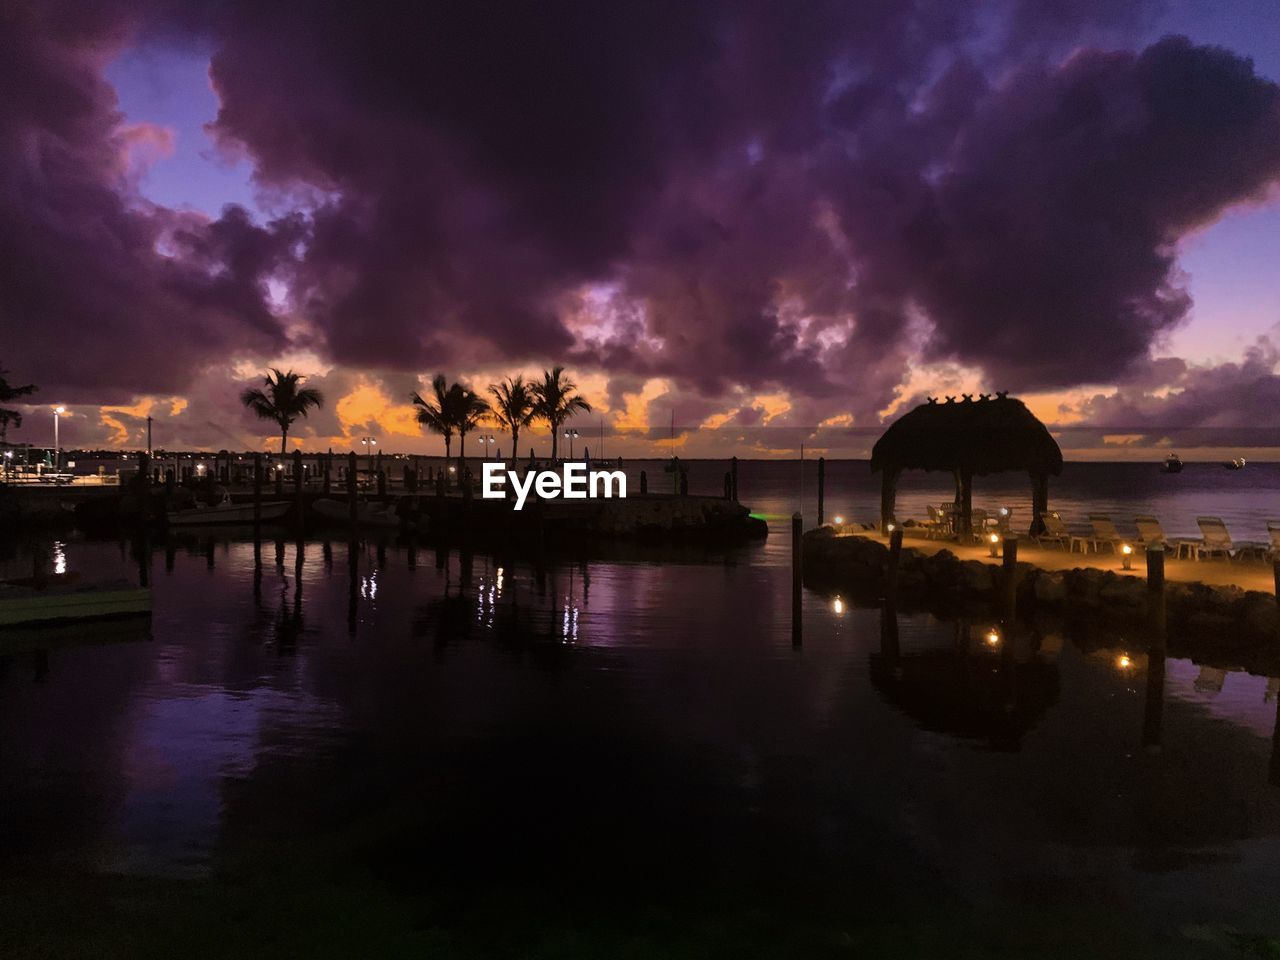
[423, 698]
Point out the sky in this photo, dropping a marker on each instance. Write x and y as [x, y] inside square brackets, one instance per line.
[779, 225]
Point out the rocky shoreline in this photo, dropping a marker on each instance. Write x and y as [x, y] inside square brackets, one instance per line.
[1227, 618]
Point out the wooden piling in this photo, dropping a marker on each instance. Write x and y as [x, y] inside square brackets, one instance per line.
[257, 494]
[298, 508]
[644, 482]
[895, 557]
[733, 469]
[351, 491]
[1009, 579]
[1153, 704]
[797, 576]
[822, 489]
[327, 482]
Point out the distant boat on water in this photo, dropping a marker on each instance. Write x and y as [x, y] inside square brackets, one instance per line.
[1172, 464]
[1237, 463]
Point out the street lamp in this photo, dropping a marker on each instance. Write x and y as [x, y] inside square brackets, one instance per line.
[571, 435]
[57, 447]
[486, 442]
[369, 443]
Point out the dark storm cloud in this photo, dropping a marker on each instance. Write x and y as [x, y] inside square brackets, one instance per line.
[1174, 403]
[102, 296]
[737, 196]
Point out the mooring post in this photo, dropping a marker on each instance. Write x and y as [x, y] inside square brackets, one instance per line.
[1010, 577]
[728, 486]
[895, 556]
[328, 483]
[644, 482]
[797, 576]
[351, 491]
[297, 489]
[257, 494]
[1155, 591]
[382, 481]
[1153, 704]
[822, 489]
[733, 469]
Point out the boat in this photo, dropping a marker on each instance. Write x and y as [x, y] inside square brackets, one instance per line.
[62, 597]
[368, 513]
[1172, 464]
[226, 512]
[1236, 463]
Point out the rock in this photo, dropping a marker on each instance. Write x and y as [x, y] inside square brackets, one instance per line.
[976, 577]
[1050, 588]
[1130, 592]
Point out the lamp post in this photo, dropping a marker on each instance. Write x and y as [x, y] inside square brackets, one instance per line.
[148, 435]
[369, 443]
[486, 441]
[57, 446]
[571, 435]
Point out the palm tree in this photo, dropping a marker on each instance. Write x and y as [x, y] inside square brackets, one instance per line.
[555, 402]
[9, 392]
[452, 409]
[513, 408]
[434, 414]
[466, 408]
[283, 401]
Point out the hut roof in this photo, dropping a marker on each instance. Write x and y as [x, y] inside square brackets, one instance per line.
[987, 435]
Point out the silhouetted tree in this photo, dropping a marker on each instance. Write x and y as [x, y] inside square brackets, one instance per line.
[513, 407]
[284, 400]
[555, 402]
[433, 414]
[9, 393]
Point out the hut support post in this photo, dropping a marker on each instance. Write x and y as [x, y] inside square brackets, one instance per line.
[888, 496]
[1039, 501]
[966, 505]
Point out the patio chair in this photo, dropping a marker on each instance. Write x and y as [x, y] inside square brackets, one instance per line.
[978, 524]
[1217, 541]
[1151, 533]
[1055, 531]
[1104, 533]
[938, 526]
[1273, 531]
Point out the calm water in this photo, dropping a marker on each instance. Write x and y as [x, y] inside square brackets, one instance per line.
[394, 751]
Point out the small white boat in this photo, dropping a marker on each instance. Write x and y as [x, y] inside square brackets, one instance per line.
[226, 512]
[63, 598]
[1237, 463]
[368, 514]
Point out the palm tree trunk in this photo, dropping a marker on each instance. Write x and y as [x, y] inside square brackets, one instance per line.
[448, 445]
[515, 443]
[284, 436]
[555, 435]
[462, 456]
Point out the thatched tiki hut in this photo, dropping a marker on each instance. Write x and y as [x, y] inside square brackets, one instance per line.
[968, 438]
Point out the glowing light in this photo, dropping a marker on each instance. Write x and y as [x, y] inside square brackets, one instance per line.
[839, 520]
[59, 557]
[891, 527]
[994, 538]
[1126, 552]
[837, 606]
[1123, 661]
[993, 637]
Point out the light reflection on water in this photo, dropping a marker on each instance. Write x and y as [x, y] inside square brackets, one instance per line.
[662, 703]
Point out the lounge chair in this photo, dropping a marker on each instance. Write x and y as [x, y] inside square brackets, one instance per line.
[1104, 533]
[1217, 541]
[1151, 533]
[1055, 531]
[1273, 531]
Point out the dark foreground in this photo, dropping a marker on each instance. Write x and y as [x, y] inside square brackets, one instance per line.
[415, 753]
